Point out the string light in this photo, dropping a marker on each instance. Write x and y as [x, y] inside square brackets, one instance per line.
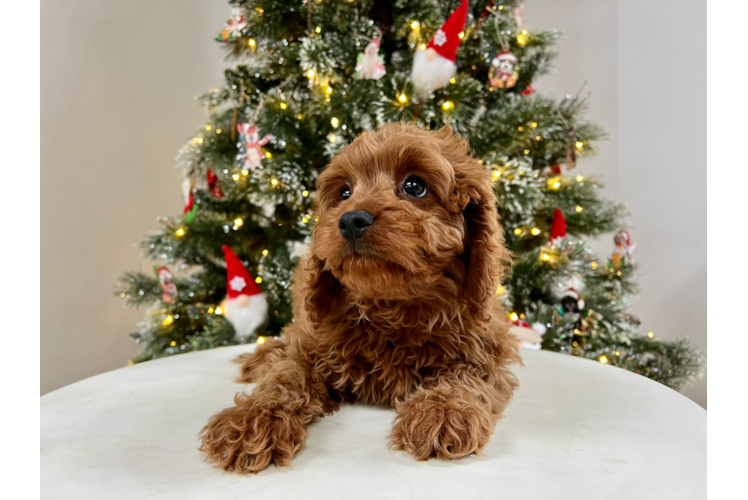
[545, 256]
[402, 98]
[260, 339]
[415, 25]
[210, 310]
[496, 174]
[618, 353]
[310, 74]
[268, 154]
[603, 359]
[334, 122]
[651, 335]
[534, 125]
[252, 42]
[168, 320]
[238, 222]
[245, 172]
[513, 316]
[318, 30]
[218, 131]
[273, 182]
[235, 177]
[332, 138]
[554, 183]
[328, 90]
[521, 128]
[283, 105]
[579, 145]
[179, 232]
[265, 252]
[461, 35]
[593, 265]
[197, 140]
[518, 231]
[578, 208]
[500, 291]
[527, 151]
[447, 105]
[453, 80]
[208, 128]
[173, 343]
[423, 47]
[535, 231]
[305, 193]
[219, 311]
[522, 38]
[258, 279]
[580, 178]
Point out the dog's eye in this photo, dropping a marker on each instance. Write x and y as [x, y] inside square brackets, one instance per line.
[345, 193]
[415, 187]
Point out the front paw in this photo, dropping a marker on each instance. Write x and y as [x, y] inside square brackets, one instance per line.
[247, 437]
[441, 425]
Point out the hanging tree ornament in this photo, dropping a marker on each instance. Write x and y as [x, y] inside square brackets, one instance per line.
[213, 185]
[188, 191]
[623, 254]
[503, 73]
[234, 26]
[250, 145]
[245, 306]
[434, 66]
[518, 13]
[166, 282]
[370, 64]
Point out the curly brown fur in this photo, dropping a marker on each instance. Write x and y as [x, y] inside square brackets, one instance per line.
[404, 317]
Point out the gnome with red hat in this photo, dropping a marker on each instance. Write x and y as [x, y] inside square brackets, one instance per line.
[558, 228]
[434, 66]
[245, 306]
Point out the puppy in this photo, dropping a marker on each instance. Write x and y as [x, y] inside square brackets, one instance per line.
[395, 306]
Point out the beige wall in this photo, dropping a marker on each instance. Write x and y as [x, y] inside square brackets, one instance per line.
[118, 82]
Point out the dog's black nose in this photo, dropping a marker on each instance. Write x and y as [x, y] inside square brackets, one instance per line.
[353, 224]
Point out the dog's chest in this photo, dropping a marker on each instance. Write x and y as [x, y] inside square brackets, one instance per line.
[379, 368]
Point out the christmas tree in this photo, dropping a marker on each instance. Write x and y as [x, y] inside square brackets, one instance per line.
[315, 74]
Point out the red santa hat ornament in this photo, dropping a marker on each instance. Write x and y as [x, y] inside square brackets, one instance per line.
[558, 228]
[570, 292]
[434, 66]
[245, 306]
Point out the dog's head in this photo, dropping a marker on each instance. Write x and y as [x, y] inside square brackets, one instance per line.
[405, 213]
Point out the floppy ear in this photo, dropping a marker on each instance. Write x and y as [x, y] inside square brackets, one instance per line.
[321, 290]
[486, 255]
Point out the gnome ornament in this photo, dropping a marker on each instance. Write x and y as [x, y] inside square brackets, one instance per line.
[558, 228]
[166, 282]
[234, 26]
[503, 73]
[245, 306]
[370, 65]
[434, 66]
[250, 146]
[623, 253]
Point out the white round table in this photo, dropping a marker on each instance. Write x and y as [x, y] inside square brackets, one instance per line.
[575, 430]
